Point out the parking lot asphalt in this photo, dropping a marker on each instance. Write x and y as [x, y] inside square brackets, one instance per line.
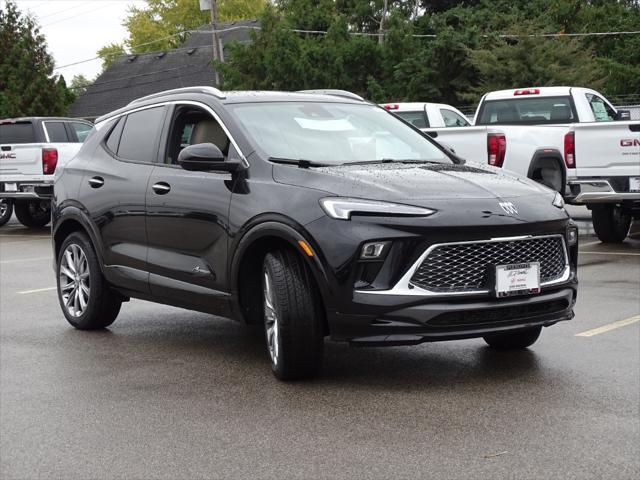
[172, 394]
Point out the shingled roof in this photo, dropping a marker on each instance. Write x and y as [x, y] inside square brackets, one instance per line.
[137, 75]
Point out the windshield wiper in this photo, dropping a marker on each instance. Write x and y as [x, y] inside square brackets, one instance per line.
[300, 162]
[390, 160]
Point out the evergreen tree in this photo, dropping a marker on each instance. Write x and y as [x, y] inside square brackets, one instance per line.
[27, 84]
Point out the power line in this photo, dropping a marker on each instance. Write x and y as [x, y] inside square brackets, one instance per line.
[101, 7]
[60, 11]
[366, 34]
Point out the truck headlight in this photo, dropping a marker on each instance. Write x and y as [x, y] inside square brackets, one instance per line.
[342, 208]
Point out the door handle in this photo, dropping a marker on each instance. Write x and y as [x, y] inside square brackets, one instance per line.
[161, 188]
[634, 127]
[96, 182]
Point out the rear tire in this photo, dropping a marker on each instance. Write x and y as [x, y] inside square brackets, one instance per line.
[610, 224]
[293, 316]
[6, 210]
[84, 294]
[513, 340]
[33, 213]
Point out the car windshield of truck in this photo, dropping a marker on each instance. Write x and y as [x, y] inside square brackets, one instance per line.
[16, 132]
[333, 133]
[527, 111]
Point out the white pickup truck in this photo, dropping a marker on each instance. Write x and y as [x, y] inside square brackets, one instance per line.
[30, 150]
[570, 139]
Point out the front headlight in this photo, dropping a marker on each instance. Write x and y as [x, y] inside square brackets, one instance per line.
[558, 201]
[342, 208]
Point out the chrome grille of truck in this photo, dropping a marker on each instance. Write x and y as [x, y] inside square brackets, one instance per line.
[468, 266]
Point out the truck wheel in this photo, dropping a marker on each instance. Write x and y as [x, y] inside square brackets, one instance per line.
[610, 224]
[513, 340]
[292, 316]
[33, 213]
[6, 210]
[85, 297]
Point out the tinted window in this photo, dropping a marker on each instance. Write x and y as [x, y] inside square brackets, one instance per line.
[82, 130]
[21, 132]
[56, 131]
[417, 119]
[601, 111]
[527, 111]
[114, 137]
[139, 136]
[452, 119]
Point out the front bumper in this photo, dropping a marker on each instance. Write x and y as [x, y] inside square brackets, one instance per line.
[27, 190]
[453, 319]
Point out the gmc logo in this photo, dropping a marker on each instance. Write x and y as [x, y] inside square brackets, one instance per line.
[629, 142]
[7, 155]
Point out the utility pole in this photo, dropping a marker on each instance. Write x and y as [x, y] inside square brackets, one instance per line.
[214, 23]
[385, 9]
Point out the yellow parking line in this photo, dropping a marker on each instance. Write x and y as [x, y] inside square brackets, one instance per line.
[611, 253]
[20, 260]
[608, 328]
[37, 290]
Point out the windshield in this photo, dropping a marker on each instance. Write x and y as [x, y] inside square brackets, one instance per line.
[333, 133]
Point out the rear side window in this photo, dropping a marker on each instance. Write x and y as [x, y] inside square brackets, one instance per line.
[601, 111]
[113, 140]
[81, 129]
[417, 119]
[19, 132]
[139, 139]
[452, 119]
[527, 111]
[57, 132]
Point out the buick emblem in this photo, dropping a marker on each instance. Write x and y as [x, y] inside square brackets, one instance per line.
[508, 207]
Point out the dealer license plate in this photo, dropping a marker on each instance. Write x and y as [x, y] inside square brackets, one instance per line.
[10, 187]
[517, 279]
[634, 184]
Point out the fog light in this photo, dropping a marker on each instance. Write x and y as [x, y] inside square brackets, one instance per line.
[373, 250]
[572, 236]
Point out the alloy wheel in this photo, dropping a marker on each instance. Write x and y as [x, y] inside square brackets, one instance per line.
[73, 280]
[4, 206]
[271, 319]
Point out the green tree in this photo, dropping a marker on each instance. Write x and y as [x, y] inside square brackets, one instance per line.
[159, 24]
[534, 61]
[109, 53]
[27, 84]
[79, 84]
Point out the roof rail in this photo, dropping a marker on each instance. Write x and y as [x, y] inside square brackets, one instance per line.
[334, 92]
[210, 90]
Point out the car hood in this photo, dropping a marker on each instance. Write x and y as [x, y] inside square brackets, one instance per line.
[418, 184]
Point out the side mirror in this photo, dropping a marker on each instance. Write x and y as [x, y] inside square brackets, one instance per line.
[623, 115]
[205, 157]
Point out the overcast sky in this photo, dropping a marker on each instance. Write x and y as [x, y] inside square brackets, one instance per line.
[76, 29]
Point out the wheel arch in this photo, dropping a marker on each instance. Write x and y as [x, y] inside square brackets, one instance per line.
[72, 219]
[545, 157]
[264, 234]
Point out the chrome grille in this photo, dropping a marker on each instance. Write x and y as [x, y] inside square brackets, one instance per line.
[467, 267]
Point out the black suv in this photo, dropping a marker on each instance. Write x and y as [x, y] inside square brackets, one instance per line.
[313, 214]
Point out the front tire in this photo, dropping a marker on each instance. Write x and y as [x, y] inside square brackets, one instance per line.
[6, 210]
[33, 213]
[610, 224]
[84, 294]
[293, 316]
[513, 340]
